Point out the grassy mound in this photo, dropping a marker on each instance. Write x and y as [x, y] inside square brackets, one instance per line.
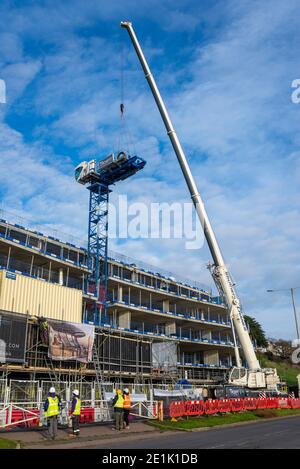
[286, 370]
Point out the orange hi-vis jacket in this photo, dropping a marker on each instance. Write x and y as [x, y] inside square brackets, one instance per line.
[127, 401]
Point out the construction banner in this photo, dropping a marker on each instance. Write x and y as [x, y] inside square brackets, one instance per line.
[70, 341]
[164, 356]
[12, 338]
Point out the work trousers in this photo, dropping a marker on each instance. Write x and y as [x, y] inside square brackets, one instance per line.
[126, 417]
[75, 424]
[52, 426]
[119, 415]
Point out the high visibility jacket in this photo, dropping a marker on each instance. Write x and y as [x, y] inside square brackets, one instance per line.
[77, 407]
[120, 402]
[127, 401]
[53, 407]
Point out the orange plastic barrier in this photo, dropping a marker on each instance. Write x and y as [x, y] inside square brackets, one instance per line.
[224, 405]
[194, 408]
[17, 415]
[211, 407]
[87, 415]
[35, 421]
[261, 403]
[294, 403]
[250, 403]
[284, 402]
[237, 405]
[176, 409]
[272, 403]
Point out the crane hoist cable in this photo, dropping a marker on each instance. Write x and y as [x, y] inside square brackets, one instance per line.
[124, 138]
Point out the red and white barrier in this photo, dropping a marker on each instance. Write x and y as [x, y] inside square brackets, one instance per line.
[210, 407]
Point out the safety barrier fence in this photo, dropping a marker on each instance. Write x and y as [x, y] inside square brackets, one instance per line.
[210, 407]
[32, 415]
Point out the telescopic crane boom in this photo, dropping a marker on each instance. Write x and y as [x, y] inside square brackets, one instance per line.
[220, 272]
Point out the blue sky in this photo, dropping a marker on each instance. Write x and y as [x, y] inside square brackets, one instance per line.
[225, 69]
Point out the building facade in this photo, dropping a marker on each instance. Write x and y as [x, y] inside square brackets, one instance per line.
[157, 327]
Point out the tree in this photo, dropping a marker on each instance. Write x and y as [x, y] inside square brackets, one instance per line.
[284, 348]
[256, 331]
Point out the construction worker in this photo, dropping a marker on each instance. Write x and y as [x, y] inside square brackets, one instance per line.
[127, 406]
[75, 412]
[118, 405]
[51, 408]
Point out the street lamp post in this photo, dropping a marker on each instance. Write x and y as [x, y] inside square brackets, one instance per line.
[294, 306]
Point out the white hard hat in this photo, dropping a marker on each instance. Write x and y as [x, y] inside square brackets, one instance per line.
[52, 389]
[126, 390]
[76, 392]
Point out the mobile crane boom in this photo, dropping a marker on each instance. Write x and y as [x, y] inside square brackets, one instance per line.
[219, 272]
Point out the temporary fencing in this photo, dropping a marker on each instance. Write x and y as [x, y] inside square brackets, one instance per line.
[215, 406]
[30, 415]
[21, 415]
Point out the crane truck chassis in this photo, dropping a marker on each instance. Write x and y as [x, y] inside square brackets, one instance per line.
[253, 377]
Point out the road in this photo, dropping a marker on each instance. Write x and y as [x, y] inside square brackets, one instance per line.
[281, 433]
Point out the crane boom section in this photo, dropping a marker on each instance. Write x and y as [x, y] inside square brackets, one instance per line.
[220, 274]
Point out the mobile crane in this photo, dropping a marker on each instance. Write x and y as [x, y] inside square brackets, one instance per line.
[253, 377]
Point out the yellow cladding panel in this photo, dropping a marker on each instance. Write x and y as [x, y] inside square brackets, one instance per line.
[26, 295]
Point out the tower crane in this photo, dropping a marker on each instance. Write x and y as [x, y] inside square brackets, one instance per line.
[253, 376]
[99, 177]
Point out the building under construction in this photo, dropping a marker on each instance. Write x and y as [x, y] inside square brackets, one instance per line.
[157, 328]
[81, 314]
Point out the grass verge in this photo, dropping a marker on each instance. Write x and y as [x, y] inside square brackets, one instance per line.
[8, 444]
[226, 419]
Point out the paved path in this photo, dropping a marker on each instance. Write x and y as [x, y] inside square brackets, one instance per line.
[89, 436]
[281, 433]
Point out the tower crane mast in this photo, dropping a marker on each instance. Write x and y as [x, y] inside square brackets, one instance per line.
[254, 376]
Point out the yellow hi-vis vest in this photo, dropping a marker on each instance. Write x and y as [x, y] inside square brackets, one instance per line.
[53, 407]
[77, 407]
[120, 401]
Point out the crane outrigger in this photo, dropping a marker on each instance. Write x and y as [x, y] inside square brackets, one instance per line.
[253, 376]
